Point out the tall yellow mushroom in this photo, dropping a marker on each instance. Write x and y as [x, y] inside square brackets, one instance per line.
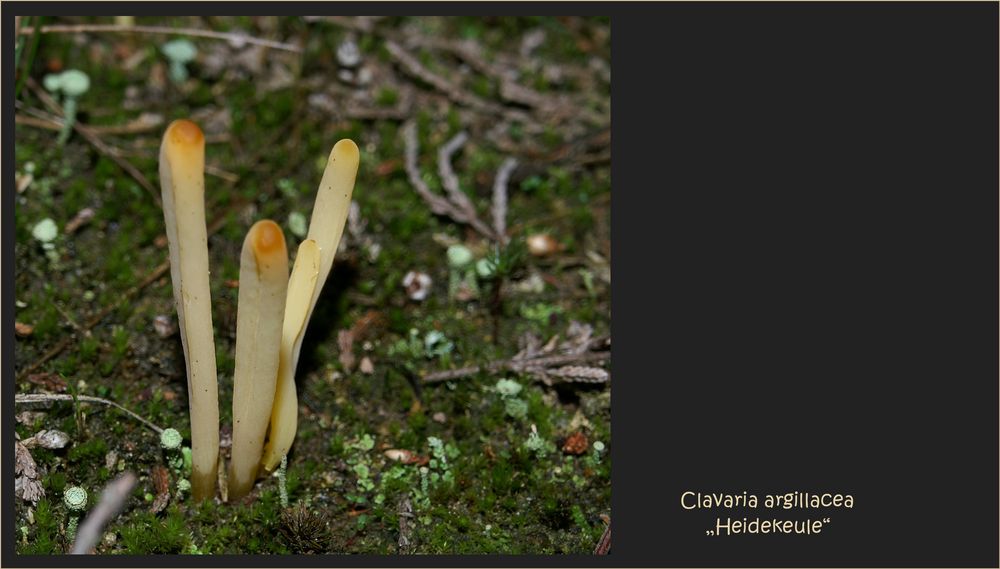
[261, 308]
[312, 266]
[182, 179]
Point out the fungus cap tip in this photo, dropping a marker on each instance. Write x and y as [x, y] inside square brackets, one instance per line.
[268, 237]
[185, 133]
[345, 149]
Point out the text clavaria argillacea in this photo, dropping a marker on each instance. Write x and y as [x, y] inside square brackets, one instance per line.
[763, 525]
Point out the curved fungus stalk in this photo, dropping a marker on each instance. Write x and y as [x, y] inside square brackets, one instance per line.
[182, 179]
[309, 273]
[261, 308]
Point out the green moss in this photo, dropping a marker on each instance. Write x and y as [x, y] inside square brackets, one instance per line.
[88, 451]
[147, 534]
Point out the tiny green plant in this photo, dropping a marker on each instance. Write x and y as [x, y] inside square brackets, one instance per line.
[72, 83]
[75, 499]
[514, 406]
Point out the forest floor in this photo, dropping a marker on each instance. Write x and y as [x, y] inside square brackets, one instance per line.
[401, 448]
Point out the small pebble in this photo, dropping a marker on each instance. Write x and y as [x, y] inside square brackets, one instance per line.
[366, 367]
[348, 53]
[51, 439]
[439, 417]
[542, 244]
[164, 326]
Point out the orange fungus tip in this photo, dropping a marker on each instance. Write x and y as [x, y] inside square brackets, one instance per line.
[185, 132]
[268, 237]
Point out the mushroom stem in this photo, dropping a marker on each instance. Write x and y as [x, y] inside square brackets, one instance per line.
[333, 201]
[261, 308]
[182, 177]
[69, 118]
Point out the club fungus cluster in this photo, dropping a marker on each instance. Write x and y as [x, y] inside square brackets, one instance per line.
[273, 310]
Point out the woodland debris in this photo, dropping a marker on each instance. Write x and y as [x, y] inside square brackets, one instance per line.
[548, 363]
[112, 501]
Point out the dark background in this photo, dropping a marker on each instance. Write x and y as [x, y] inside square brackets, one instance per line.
[815, 187]
[805, 239]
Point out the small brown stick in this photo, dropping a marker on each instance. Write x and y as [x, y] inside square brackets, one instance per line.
[405, 513]
[500, 199]
[604, 544]
[37, 123]
[99, 144]
[237, 39]
[452, 91]
[516, 365]
[46, 397]
[112, 501]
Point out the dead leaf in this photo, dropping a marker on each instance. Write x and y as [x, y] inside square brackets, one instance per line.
[23, 330]
[27, 485]
[345, 341]
[576, 443]
[48, 380]
[368, 323]
[406, 456]
[161, 483]
[366, 366]
[388, 167]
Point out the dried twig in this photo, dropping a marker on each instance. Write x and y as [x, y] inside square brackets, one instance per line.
[236, 39]
[553, 361]
[461, 212]
[112, 501]
[405, 514]
[448, 178]
[452, 91]
[604, 544]
[517, 366]
[46, 397]
[27, 481]
[500, 198]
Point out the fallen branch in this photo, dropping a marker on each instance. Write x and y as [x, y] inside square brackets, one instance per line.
[517, 366]
[236, 39]
[112, 501]
[47, 397]
[555, 361]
